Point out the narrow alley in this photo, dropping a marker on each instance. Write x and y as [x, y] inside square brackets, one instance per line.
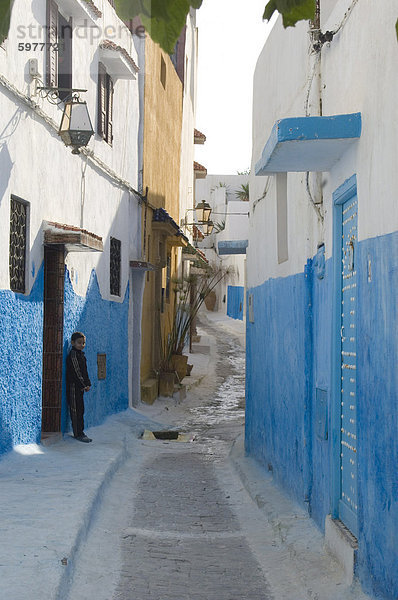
[177, 522]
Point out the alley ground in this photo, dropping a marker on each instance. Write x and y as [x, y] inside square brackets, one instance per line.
[126, 518]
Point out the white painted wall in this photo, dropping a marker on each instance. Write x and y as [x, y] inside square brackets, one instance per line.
[208, 186]
[187, 180]
[220, 192]
[356, 73]
[236, 222]
[36, 166]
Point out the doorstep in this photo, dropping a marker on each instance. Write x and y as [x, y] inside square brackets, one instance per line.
[342, 544]
[48, 438]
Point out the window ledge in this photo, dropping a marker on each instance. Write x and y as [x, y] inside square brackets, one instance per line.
[118, 62]
[81, 9]
[73, 238]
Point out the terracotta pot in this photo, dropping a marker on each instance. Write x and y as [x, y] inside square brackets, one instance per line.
[179, 363]
[210, 300]
[166, 384]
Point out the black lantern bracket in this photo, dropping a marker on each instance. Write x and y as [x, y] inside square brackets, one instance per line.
[52, 94]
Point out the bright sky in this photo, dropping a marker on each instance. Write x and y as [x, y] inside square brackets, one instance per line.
[231, 36]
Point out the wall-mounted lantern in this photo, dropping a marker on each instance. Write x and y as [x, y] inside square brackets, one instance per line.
[203, 211]
[76, 128]
[208, 227]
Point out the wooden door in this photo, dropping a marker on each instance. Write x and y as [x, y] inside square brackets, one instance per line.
[54, 282]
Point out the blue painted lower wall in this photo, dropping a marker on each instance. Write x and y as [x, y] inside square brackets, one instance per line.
[289, 357]
[21, 356]
[105, 324]
[235, 298]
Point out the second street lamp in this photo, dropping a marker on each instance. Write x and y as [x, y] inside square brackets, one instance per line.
[203, 211]
[208, 227]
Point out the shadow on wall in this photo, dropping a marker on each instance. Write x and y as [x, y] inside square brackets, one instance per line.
[6, 166]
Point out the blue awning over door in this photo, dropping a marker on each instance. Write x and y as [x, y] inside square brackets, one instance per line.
[301, 144]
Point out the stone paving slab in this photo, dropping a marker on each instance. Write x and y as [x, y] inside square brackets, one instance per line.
[207, 569]
[180, 492]
[184, 541]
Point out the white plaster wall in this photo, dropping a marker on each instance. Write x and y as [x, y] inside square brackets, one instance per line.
[187, 181]
[205, 188]
[359, 74]
[283, 81]
[220, 192]
[236, 223]
[356, 74]
[36, 166]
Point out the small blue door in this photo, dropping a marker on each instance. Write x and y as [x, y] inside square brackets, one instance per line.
[348, 503]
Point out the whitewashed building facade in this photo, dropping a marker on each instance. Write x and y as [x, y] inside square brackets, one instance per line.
[322, 340]
[69, 224]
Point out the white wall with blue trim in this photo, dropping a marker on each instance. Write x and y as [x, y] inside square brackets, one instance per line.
[292, 335]
[91, 193]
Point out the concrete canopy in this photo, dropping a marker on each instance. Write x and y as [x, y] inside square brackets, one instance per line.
[232, 247]
[302, 144]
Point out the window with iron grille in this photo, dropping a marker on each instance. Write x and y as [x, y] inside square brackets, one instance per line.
[18, 215]
[115, 266]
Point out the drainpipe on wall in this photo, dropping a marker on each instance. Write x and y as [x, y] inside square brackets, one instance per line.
[307, 425]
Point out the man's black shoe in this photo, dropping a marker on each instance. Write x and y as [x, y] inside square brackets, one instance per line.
[83, 438]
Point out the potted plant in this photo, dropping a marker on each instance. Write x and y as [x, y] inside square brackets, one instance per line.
[191, 293]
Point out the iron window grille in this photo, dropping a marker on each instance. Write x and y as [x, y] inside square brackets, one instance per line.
[17, 260]
[115, 266]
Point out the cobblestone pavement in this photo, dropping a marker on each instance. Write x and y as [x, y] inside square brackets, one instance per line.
[188, 543]
[184, 540]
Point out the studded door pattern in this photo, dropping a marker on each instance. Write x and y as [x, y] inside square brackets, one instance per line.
[54, 281]
[348, 448]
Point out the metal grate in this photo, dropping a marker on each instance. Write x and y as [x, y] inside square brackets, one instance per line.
[101, 365]
[18, 213]
[115, 266]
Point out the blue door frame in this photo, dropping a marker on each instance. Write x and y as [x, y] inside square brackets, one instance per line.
[341, 444]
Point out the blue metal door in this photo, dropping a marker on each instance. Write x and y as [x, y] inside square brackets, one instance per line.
[348, 504]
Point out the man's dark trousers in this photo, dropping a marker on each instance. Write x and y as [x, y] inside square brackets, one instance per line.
[76, 407]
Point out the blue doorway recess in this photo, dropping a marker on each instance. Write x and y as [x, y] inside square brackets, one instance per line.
[344, 406]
